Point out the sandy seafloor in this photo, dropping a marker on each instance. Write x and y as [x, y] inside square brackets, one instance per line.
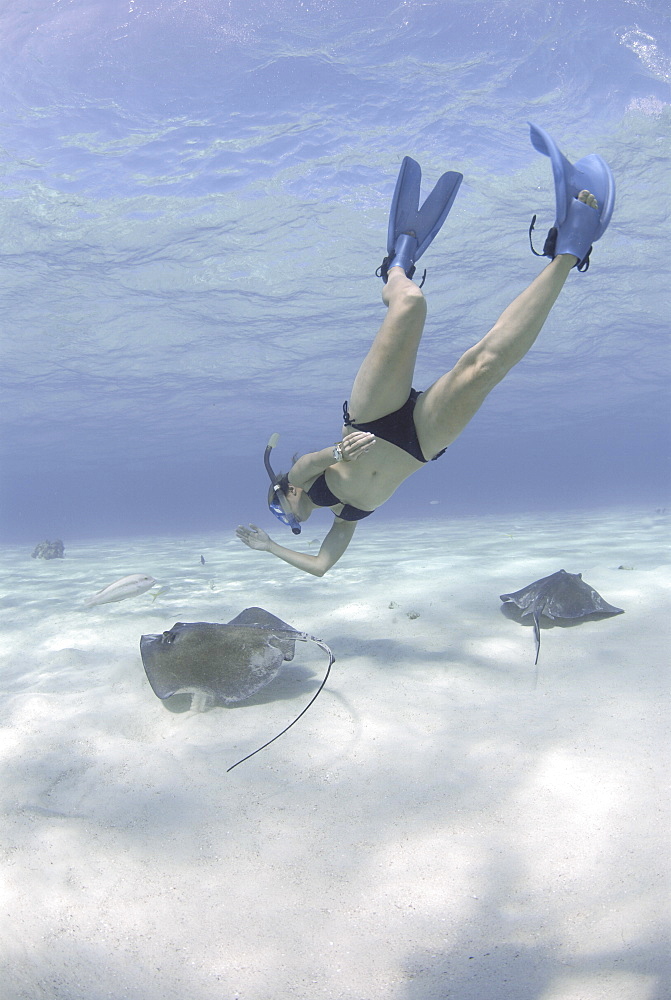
[434, 826]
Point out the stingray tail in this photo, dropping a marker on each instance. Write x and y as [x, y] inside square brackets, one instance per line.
[537, 633]
[322, 645]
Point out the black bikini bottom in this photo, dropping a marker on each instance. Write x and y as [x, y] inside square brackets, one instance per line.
[397, 428]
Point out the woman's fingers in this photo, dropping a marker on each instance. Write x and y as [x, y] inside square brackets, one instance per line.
[251, 536]
[357, 444]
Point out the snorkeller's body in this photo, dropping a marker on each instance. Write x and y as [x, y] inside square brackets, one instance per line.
[390, 429]
[372, 469]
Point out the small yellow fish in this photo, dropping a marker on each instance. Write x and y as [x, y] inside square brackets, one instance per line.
[163, 590]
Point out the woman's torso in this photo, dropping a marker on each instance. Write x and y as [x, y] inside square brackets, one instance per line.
[370, 480]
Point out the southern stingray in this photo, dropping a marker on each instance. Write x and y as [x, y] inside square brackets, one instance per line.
[563, 597]
[223, 664]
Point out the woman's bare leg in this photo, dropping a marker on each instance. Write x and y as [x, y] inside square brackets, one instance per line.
[443, 411]
[384, 379]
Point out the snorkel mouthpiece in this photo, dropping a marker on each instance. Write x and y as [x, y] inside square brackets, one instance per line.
[281, 512]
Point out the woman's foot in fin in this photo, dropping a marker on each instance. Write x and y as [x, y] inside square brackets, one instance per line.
[588, 199]
[584, 197]
[576, 233]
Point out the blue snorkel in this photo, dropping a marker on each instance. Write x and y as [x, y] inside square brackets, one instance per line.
[282, 513]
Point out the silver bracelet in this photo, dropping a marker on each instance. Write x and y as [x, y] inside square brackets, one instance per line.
[337, 452]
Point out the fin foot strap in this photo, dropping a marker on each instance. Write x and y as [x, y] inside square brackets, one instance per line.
[549, 247]
[383, 270]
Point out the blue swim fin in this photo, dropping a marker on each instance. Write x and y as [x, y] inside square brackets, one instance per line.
[411, 228]
[576, 226]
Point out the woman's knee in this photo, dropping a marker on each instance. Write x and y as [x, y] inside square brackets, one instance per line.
[488, 368]
[481, 369]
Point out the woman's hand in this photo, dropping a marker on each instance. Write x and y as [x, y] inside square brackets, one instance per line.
[356, 444]
[254, 537]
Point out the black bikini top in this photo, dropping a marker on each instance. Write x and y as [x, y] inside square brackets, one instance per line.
[322, 496]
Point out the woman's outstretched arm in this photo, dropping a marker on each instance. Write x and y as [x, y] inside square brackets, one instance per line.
[331, 549]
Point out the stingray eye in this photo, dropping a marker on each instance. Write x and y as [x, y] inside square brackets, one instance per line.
[169, 637]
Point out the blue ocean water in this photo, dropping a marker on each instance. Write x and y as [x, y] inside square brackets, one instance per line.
[193, 202]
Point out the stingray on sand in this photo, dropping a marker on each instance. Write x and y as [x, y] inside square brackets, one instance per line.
[563, 597]
[223, 664]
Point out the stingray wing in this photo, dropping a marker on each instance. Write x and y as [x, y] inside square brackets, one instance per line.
[285, 635]
[570, 597]
[227, 663]
[560, 595]
[533, 599]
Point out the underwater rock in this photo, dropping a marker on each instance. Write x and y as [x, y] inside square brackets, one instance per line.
[49, 550]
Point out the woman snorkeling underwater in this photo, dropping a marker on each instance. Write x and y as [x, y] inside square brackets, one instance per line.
[390, 430]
